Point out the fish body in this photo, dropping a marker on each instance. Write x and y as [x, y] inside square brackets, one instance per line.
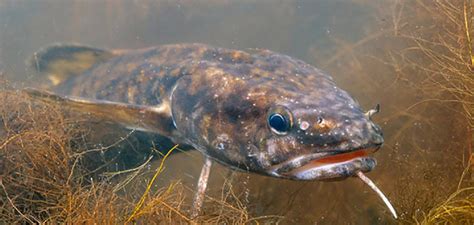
[255, 110]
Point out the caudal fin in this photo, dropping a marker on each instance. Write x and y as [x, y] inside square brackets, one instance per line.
[59, 62]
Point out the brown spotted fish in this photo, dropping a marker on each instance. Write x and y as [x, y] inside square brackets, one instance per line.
[256, 111]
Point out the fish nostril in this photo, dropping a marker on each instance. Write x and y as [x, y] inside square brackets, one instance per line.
[376, 128]
[376, 134]
[377, 139]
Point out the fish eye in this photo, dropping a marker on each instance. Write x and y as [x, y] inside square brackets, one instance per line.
[278, 123]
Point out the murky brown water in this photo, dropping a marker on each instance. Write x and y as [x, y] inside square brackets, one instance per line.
[355, 41]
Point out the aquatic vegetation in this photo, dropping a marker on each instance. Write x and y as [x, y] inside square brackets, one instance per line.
[421, 57]
[447, 69]
[45, 176]
[445, 46]
[413, 58]
[458, 208]
[437, 58]
[142, 199]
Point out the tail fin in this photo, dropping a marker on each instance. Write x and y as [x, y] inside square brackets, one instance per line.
[59, 62]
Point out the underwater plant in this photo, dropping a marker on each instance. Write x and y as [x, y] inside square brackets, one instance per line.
[46, 175]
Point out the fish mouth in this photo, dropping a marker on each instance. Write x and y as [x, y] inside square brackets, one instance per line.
[326, 165]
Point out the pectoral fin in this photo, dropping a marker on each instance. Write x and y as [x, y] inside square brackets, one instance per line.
[153, 119]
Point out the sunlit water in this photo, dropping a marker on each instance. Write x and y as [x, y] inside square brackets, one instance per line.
[352, 40]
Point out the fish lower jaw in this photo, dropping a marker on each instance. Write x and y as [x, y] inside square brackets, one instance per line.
[335, 170]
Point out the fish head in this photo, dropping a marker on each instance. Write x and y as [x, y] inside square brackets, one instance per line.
[319, 136]
[278, 117]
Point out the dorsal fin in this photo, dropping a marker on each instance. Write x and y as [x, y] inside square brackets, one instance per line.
[155, 119]
[59, 62]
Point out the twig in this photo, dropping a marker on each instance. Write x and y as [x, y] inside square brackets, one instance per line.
[13, 205]
[468, 35]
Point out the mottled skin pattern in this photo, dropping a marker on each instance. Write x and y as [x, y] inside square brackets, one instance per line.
[220, 100]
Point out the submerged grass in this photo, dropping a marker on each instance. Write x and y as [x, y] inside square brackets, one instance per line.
[420, 66]
[446, 47]
[46, 176]
[142, 199]
[458, 208]
[440, 58]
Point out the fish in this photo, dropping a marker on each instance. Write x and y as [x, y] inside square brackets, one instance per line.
[250, 110]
